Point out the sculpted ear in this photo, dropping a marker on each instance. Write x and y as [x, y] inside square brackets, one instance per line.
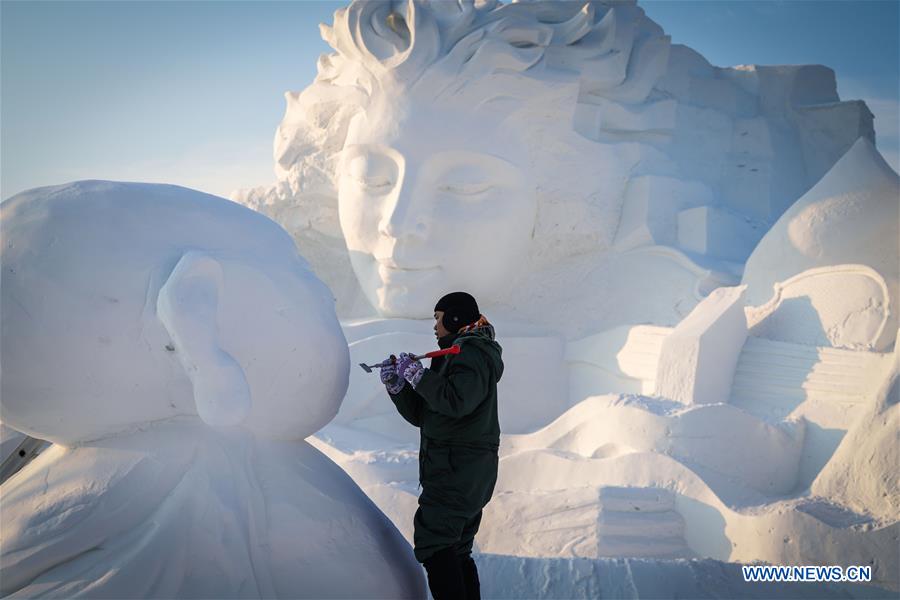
[187, 306]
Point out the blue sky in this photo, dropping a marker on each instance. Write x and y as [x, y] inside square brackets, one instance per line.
[191, 92]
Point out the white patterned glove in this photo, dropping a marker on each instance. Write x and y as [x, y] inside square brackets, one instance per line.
[390, 378]
[411, 370]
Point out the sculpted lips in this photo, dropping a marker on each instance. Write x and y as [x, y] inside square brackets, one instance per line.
[388, 264]
[392, 273]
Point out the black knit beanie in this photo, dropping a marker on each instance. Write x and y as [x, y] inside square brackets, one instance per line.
[459, 308]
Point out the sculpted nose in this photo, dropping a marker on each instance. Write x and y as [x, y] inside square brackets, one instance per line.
[404, 217]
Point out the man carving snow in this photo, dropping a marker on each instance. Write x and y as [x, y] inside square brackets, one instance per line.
[454, 403]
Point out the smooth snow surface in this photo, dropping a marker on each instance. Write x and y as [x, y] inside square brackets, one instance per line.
[178, 350]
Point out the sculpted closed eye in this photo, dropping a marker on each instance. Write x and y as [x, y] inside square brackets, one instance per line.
[466, 189]
[373, 173]
[375, 183]
[467, 174]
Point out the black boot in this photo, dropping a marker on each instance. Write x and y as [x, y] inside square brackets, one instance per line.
[470, 577]
[445, 578]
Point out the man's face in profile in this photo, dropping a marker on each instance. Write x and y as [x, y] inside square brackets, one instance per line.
[439, 330]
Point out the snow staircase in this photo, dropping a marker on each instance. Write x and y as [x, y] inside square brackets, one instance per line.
[773, 378]
[640, 522]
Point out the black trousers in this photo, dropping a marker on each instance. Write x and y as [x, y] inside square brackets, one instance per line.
[452, 576]
[457, 483]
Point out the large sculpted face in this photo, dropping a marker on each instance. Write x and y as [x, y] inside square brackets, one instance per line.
[431, 200]
[465, 140]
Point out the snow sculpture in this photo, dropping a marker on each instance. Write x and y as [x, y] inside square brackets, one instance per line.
[835, 252]
[567, 477]
[178, 350]
[482, 146]
[697, 360]
[148, 330]
[844, 306]
[863, 471]
[637, 178]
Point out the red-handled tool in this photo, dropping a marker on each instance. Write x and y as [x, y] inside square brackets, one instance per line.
[450, 350]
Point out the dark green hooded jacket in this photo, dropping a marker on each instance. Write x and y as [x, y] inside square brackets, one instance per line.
[455, 402]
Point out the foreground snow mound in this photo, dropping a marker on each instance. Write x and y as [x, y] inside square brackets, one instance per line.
[188, 511]
[177, 349]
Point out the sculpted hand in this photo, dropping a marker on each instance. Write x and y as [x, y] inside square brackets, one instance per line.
[411, 370]
[389, 376]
